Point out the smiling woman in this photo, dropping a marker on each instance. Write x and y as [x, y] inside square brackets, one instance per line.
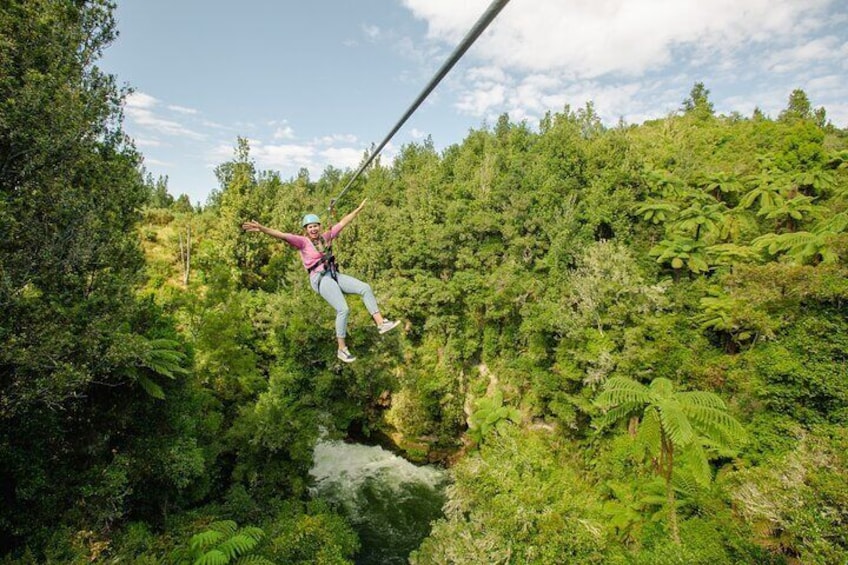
[316, 252]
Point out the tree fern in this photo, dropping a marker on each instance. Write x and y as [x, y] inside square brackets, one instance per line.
[155, 357]
[693, 470]
[163, 358]
[223, 543]
[803, 246]
[673, 422]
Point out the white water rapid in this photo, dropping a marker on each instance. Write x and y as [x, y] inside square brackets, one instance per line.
[389, 501]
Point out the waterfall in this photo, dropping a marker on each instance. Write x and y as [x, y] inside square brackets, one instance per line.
[389, 501]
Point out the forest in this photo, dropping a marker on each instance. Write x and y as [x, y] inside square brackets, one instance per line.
[625, 344]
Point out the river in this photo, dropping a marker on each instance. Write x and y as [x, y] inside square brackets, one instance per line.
[389, 501]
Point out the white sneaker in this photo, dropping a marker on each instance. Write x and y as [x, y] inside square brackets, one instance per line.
[387, 325]
[345, 356]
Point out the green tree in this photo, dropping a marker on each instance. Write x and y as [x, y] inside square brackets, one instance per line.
[159, 195]
[791, 211]
[698, 103]
[78, 348]
[819, 246]
[798, 107]
[672, 422]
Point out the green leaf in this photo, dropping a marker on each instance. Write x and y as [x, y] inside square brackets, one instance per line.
[205, 539]
[151, 387]
[213, 557]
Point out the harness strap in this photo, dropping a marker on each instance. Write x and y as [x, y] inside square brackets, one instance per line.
[328, 260]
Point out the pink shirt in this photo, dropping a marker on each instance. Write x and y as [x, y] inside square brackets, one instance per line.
[308, 253]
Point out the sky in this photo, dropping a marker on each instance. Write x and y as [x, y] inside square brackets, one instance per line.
[313, 84]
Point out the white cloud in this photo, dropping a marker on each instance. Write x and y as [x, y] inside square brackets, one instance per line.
[182, 109]
[147, 142]
[140, 100]
[214, 125]
[482, 99]
[283, 156]
[638, 59]
[798, 56]
[416, 133]
[141, 109]
[342, 157]
[372, 32]
[337, 138]
[591, 38]
[838, 114]
[828, 84]
[284, 132]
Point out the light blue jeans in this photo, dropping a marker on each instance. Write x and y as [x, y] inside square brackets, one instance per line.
[333, 292]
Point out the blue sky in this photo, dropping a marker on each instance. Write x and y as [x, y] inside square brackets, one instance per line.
[315, 83]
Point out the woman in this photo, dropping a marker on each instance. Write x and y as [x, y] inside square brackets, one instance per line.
[324, 278]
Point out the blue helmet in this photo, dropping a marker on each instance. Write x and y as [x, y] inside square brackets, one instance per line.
[310, 219]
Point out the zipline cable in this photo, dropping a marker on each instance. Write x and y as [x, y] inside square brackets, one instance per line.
[494, 9]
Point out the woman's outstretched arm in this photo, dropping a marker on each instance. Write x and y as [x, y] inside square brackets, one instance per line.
[347, 219]
[254, 226]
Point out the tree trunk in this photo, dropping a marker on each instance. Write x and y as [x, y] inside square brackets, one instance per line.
[185, 254]
[668, 449]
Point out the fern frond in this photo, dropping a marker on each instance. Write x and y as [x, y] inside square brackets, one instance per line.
[151, 387]
[226, 527]
[237, 545]
[614, 414]
[661, 387]
[649, 433]
[696, 464]
[213, 557]
[838, 223]
[702, 398]
[717, 425]
[253, 531]
[203, 540]
[684, 483]
[163, 358]
[675, 423]
[620, 390]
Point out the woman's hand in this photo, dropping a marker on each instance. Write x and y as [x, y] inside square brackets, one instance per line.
[251, 225]
[361, 206]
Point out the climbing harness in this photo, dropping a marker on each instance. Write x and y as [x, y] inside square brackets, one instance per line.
[493, 10]
[328, 261]
[328, 258]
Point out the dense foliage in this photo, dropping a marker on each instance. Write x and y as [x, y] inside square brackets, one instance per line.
[630, 342]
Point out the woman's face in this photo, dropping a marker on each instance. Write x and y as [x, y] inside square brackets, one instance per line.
[312, 230]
